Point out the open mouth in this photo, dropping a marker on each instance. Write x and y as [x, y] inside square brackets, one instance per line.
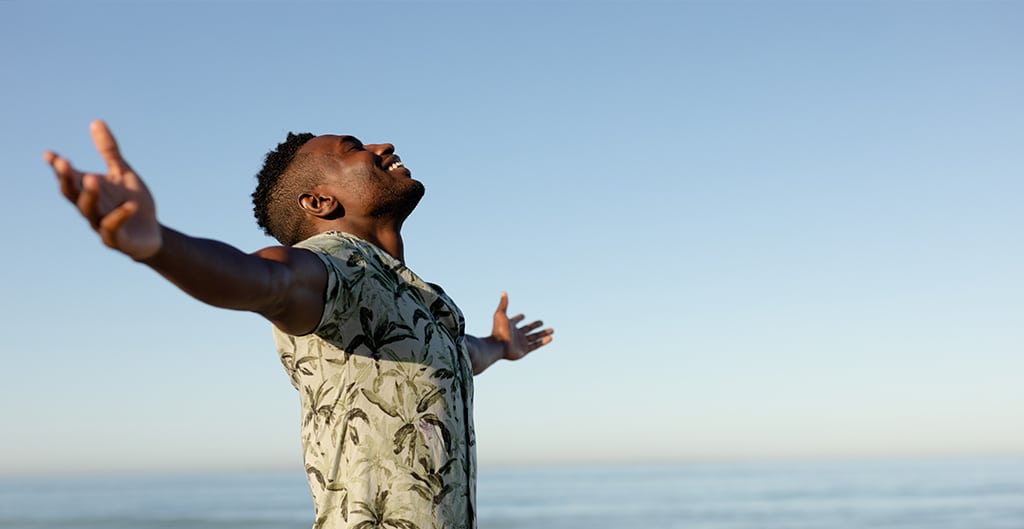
[395, 165]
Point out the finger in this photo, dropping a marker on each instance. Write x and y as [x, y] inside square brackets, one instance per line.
[107, 147]
[88, 200]
[540, 336]
[537, 336]
[112, 222]
[68, 177]
[514, 320]
[539, 343]
[503, 303]
[543, 333]
[531, 326]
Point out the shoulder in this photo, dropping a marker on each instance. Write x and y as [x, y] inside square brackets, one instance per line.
[329, 242]
[344, 248]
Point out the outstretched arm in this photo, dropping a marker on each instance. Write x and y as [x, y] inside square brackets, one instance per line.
[507, 340]
[285, 285]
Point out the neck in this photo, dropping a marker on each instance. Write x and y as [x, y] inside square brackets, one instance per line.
[386, 236]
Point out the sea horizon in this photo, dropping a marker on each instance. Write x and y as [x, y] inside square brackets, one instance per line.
[907, 493]
[198, 470]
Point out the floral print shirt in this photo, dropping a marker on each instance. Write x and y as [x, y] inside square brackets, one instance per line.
[386, 389]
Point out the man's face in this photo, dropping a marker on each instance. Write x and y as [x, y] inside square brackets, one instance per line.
[366, 179]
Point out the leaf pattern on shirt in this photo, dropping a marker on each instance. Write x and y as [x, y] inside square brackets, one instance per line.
[386, 392]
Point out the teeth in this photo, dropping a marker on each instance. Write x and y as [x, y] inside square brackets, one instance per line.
[395, 165]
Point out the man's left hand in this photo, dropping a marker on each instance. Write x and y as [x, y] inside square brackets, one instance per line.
[518, 341]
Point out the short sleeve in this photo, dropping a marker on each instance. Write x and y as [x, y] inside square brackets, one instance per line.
[336, 255]
[331, 297]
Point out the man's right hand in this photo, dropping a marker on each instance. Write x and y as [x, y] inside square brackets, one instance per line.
[117, 204]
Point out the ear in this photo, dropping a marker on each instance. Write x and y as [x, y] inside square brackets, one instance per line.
[321, 206]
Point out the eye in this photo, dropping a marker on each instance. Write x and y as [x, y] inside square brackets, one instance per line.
[351, 144]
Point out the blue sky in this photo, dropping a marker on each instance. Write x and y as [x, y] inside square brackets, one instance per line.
[760, 229]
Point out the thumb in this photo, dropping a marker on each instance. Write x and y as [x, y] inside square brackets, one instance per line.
[503, 304]
[112, 222]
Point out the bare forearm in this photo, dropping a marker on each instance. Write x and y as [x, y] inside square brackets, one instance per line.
[483, 352]
[216, 273]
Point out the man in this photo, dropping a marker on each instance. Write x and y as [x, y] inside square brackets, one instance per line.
[380, 358]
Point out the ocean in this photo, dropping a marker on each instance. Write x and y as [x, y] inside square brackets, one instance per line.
[883, 494]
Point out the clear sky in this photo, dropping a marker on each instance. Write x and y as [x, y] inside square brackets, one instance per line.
[760, 229]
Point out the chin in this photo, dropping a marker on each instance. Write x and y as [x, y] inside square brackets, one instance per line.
[404, 201]
[415, 195]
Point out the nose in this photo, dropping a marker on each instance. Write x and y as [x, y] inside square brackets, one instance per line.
[380, 149]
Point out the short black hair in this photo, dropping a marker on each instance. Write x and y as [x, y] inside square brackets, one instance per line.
[278, 184]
